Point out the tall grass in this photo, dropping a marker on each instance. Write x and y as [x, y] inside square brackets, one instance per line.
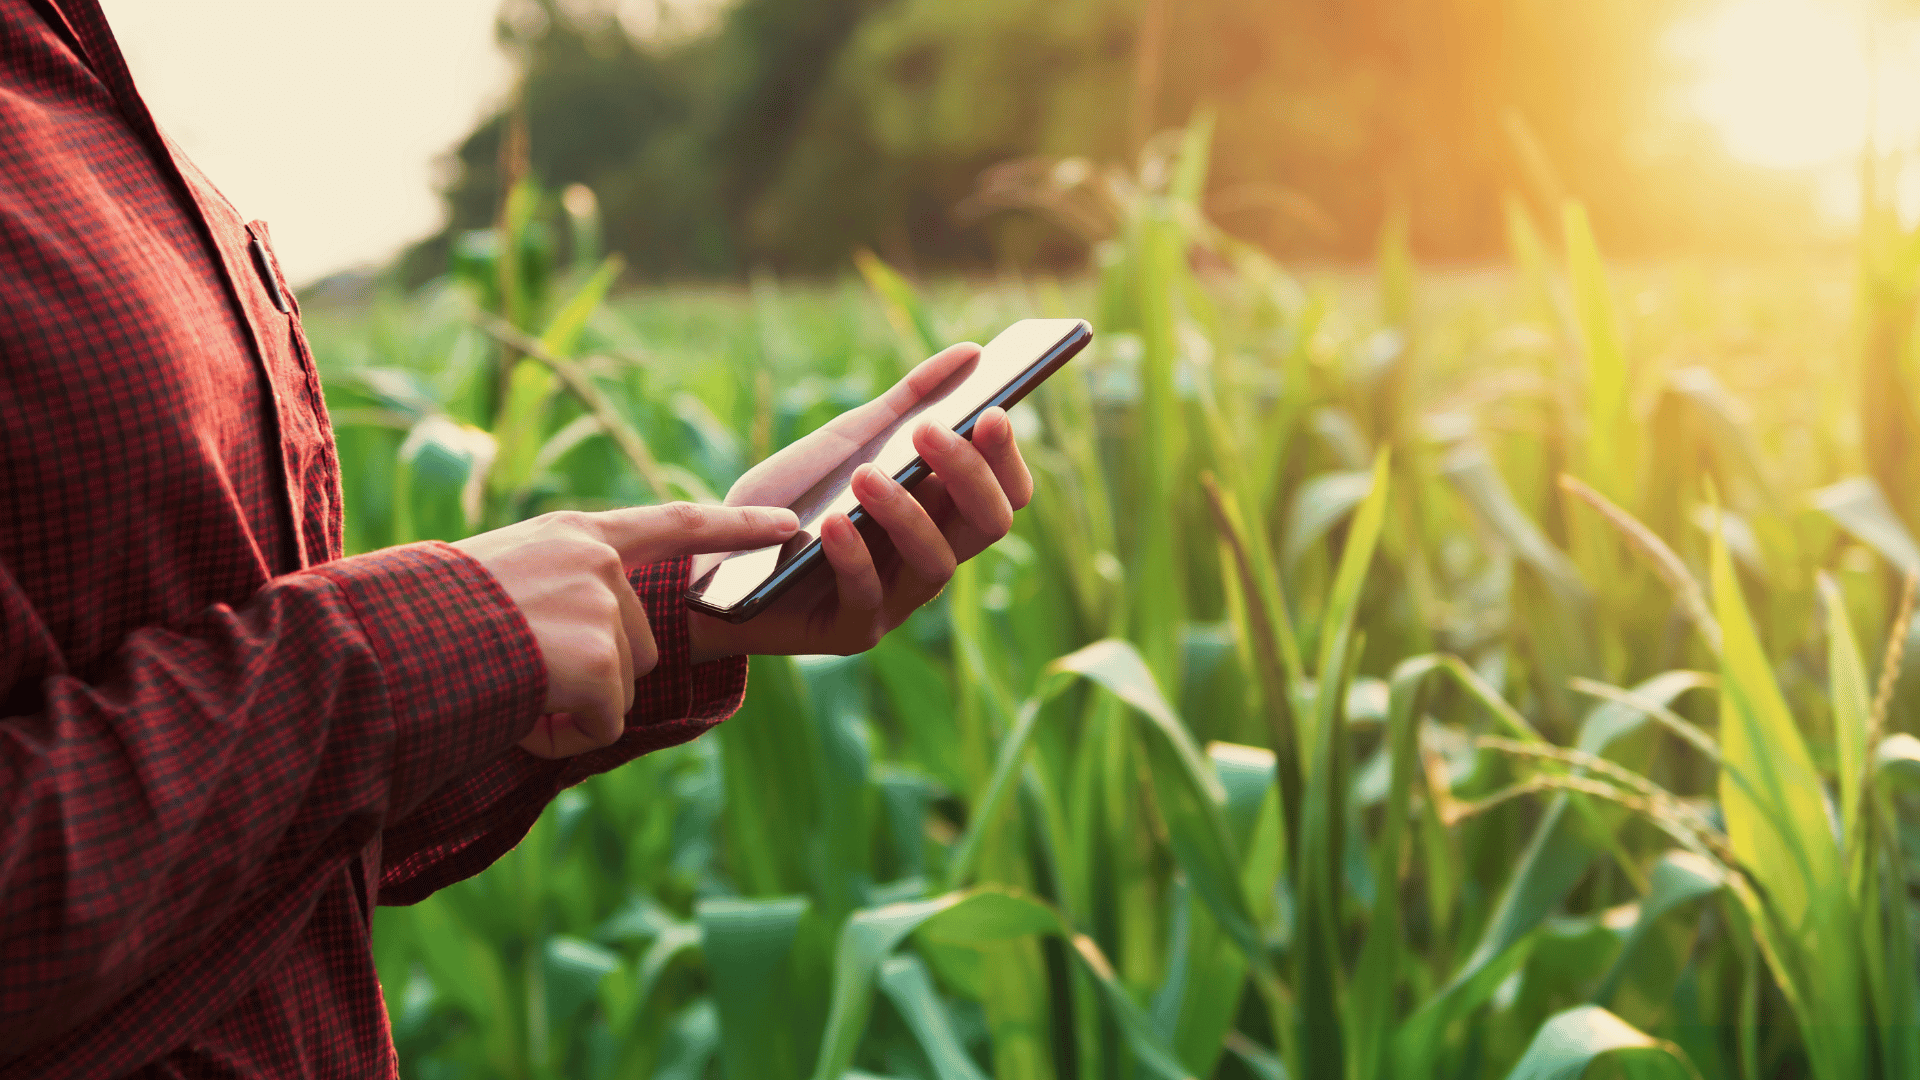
[1461, 681]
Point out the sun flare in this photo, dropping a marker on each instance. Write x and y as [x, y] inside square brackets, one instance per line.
[1789, 83]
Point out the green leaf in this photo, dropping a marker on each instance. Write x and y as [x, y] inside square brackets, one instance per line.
[1319, 869]
[981, 917]
[1190, 171]
[1262, 1062]
[574, 971]
[772, 798]
[692, 1039]
[1119, 669]
[911, 319]
[1247, 777]
[1785, 841]
[1679, 878]
[868, 938]
[437, 487]
[1571, 834]
[1318, 506]
[907, 983]
[465, 967]
[747, 946]
[1571, 1041]
[1376, 977]
[1852, 706]
[1758, 736]
[1897, 759]
[1612, 454]
[1860, 507]
[562, 335]
[1551, 600]
[1260, 614]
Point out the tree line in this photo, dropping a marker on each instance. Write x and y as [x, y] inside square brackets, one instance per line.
[787, 133]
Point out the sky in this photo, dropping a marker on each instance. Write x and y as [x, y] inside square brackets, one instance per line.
[323, 118]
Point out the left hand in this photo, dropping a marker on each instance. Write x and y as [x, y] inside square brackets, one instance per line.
[953, 515]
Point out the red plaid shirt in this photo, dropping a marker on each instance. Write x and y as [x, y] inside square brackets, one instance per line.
[221, 744]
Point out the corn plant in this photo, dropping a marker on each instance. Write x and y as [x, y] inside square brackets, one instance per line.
[1418, 677]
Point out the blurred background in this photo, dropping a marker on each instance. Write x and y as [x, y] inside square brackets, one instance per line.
[723, 137]
[1465, 624]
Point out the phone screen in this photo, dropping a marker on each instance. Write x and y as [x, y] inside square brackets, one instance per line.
[1006, 368]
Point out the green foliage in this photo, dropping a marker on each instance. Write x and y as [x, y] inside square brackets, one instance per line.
[791, 133]
[1309, 724]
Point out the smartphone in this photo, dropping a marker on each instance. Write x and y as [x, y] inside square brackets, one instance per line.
[1011, 365]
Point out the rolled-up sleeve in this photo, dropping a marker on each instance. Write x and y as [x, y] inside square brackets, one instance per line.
[461, 829]
[232, 765]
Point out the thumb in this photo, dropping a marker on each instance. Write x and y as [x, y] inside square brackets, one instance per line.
[646, 534]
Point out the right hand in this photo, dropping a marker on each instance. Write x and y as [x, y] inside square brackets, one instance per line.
[567, 572]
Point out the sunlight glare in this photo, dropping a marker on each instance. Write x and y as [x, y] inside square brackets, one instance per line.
[1787, 84]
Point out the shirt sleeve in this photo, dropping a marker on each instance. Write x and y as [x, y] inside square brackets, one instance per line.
[224, 770]
[461, 830]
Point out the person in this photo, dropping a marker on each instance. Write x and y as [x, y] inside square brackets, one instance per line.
[221, 743]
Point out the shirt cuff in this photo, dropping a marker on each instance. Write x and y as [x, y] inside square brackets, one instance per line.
[463, 673]
[677, 700]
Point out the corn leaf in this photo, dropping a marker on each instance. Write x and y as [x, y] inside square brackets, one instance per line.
[908, 984]
[748, 943]
[1678, 879]
[911, 318]
[1318, 506]
[437, 487]
[1571, 834]
[1611, 454]
[1317, 963]
[1570, 1042]
[1860, 507]
[1783, 837]
[977, 918]
[1847, 686]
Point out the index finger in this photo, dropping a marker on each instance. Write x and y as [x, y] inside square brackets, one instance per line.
[647, 534]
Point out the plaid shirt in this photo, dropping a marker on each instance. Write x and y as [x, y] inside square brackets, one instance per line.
[221, 744]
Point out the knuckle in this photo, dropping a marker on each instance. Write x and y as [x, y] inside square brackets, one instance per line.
[601, 663]
[603, 606]
[605, 559]
[686, 516]
[646, 655]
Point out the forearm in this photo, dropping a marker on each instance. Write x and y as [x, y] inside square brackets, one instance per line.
[214, 762]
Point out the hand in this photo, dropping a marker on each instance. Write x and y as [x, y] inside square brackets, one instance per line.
[953, 515]
[566, 572]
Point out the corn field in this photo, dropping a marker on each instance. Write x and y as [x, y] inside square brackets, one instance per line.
[1417, 674]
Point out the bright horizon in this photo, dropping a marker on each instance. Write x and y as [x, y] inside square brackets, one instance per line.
[327, 120]
[1788, 83]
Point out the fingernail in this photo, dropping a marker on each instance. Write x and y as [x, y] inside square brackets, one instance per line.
[940, 437]
[882, 486]
[785, 521]
[998, 416]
